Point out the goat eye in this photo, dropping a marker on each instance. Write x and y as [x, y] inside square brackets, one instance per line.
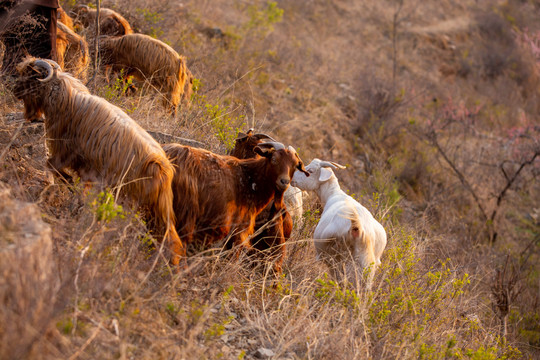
[310, 171]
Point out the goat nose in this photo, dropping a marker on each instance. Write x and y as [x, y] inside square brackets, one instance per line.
[285, 181]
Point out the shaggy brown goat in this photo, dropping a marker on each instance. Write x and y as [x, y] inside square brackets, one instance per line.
[110, 22]
[216, 196]
[72, 52]
[150, 59]
[100, 142]
[273, 227]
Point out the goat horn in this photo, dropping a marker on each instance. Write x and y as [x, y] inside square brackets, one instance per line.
[50, 71]
[276, 145]
[291, 149]
[332, 165]
[264, 136]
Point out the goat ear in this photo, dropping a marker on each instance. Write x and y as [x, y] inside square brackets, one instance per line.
[301, 167]
[265, 151]
[325, 175]
[241, 136]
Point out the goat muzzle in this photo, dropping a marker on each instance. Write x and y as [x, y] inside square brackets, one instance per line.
[283, 182]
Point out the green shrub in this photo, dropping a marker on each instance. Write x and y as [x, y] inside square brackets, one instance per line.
[105, 208]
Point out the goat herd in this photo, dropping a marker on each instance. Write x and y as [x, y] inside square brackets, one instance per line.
[188, 195]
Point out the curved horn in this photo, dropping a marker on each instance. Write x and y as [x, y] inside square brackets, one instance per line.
[50, 71]
[56, 66]
[332, 164]
[264, 136]
[276, 145]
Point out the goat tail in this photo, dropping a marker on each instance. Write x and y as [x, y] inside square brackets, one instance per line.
[161, 172]
[365, 245]
[349, 212]
[355, 231]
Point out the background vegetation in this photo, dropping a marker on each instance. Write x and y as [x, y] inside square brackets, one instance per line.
[432, 105]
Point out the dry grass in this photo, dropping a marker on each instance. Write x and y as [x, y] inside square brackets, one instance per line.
[452, 91]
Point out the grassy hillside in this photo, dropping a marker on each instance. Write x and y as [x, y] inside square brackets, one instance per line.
[432, 105]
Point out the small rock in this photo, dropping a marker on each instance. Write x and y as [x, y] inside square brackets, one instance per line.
[264, 353]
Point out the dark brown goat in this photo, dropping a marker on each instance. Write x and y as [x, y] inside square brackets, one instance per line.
[272, 227]
[216, 196]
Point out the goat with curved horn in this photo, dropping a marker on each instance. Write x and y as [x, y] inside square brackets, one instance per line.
[273, 226]
[101, 144]
[219, 196]
[343, 221]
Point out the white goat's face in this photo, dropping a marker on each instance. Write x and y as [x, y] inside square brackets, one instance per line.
[318, 175]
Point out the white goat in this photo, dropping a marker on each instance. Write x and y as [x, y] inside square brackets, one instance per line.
[346, 229]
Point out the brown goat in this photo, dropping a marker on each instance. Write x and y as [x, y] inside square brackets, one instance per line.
[72, 52]
[216, 196]
[111, 23]
[243, 149]
[100, 142]
[150, 59]
[273, 227]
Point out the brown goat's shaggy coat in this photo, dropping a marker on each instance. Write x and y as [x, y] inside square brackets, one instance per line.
[217, 196]
[273, 226]
[111, 23]
[100, 142]
[149, 59]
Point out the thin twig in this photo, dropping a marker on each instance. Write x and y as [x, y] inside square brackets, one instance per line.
[90, 339]
[76, 283]
[11, 142]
